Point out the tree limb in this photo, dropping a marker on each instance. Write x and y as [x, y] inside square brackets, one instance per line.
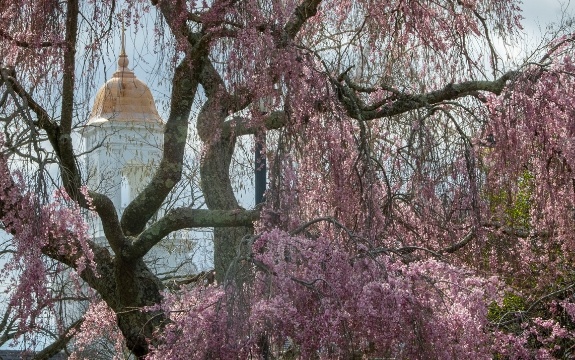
[458, 245]
[68, 168]
[407, 102]
[60, 343]
[64, 152]
[304, 11]
[239, 126]
[185, 218]
[169, 172]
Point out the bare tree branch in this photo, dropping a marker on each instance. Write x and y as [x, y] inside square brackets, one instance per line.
[26, 44]
[406, 102]
[169, 172]
[60, 343]
[184, 218]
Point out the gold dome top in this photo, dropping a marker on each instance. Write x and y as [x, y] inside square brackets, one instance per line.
[124, 98]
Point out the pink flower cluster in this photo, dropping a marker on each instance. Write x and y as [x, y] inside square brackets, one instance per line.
[99, 324]
[33, 228]
[318, 299]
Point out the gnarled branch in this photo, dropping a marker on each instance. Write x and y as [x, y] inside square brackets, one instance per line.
[403, 103]
[184, 218]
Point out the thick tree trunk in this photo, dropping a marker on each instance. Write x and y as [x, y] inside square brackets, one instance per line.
[137, 287]
[229, 253]
[126, 286]
[219, 195]
[216, 183]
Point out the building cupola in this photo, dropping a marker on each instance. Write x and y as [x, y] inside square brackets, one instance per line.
[124, 97]
[123, 138]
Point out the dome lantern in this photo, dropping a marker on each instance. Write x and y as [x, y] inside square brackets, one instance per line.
[124, 98]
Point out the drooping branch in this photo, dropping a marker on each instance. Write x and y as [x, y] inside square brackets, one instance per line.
[214, 85]
[185, 218]
[25, 44]
[60, 343]
[68, 166]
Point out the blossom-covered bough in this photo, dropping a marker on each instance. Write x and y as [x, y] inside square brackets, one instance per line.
[420, 200]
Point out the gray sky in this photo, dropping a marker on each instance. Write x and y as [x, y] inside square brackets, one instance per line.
[538, 16]
[538, 13]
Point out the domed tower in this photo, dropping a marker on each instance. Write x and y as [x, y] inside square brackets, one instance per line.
[123, 138]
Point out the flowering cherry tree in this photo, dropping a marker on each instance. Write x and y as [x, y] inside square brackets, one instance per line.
[420, 200]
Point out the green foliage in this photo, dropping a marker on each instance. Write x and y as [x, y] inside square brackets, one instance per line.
[511, 304]
[518, 213]
[514, 202]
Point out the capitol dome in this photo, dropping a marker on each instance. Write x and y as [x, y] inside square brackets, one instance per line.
[124, 98]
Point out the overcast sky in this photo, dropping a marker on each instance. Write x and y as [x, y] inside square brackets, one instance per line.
[541, 12]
